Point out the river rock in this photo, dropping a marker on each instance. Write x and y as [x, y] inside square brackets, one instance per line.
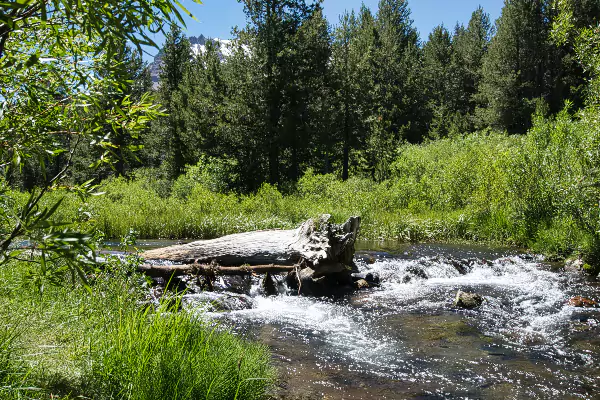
[268, 285]
[236, 284]
[579, 301]
[362, 284]
[219, 302]
[467, 300]
[574, 265]
[177, 284]
[370, 277]
[462, 269]
[373, 278]
[417, 271]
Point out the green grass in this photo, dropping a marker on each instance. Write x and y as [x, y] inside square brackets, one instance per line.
[12, 373]
[538, 190]
[109, 344]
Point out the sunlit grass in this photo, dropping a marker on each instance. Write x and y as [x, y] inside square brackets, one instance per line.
[110, 344]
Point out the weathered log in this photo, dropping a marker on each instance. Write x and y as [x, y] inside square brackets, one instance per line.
[316, 242]
[166, 271]
[322, 251]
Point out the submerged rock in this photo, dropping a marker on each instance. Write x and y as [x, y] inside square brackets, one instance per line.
[461, 267]
[236, 284]
[372, 278]
[178, 284]
[467, 300]
[417, 271]
[220, 302]
[574, 265]
[579, 301]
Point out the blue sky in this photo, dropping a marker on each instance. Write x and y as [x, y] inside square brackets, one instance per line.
[217, 17]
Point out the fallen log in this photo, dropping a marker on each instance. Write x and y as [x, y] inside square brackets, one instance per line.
[317, 255]
[166, 271]
[317, 242]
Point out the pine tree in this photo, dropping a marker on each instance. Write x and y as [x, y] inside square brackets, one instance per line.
[204, 88]
[515, 70]
[345, 69]
[243, 131]
[275, 24]
[306, 92]
[439, 79]
[470, 47]
[396, 60]
[363, 49]
[397, 111]
[164, 144]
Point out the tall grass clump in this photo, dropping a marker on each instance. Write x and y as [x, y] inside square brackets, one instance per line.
[12, 374]
[111, 343]
[165, 354]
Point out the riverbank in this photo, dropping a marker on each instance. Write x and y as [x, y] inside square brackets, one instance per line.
[537, 191]
[108, 342]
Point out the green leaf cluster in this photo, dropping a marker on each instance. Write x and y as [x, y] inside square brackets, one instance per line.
[61, 89]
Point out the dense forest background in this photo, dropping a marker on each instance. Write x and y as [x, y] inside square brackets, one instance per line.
[294, 93]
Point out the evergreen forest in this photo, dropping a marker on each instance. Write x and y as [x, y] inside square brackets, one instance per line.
[296, 92]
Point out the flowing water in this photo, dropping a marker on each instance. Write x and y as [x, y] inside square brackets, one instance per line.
[406, 340]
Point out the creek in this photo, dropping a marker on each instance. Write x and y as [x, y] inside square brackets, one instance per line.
[405, 339]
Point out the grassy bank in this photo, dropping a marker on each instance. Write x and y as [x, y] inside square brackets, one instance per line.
[538, 190]
[66, 342]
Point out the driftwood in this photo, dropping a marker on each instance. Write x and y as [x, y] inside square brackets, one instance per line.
[317, 255]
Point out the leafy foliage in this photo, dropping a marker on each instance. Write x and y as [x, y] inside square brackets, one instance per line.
[61, 87]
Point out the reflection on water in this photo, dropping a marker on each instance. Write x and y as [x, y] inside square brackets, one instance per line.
[405, 339]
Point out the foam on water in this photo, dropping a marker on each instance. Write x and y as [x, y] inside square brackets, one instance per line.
[525, 307]
[340, 328]
[523, 300]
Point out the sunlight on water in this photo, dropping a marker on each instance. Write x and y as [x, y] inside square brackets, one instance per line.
[518, 341]
[523, 301]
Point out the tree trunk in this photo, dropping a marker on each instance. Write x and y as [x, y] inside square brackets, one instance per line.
[318, 256]
[316, 243]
